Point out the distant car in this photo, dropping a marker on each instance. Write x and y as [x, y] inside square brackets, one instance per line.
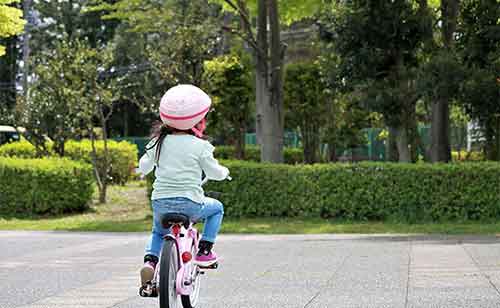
[8, 134]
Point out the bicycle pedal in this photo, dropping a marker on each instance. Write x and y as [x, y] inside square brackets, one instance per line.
[148, 291]
[213, 266]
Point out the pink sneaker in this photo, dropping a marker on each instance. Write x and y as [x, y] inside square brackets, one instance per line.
[147, 272]
[205, 260]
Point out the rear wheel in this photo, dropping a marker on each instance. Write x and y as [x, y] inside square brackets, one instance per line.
[169, 266]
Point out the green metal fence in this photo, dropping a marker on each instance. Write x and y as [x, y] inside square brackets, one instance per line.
[374, 149]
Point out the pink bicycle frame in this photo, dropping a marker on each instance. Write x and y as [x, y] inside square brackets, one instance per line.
[185, 240]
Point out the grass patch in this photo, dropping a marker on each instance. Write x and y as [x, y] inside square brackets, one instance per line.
[128, 210]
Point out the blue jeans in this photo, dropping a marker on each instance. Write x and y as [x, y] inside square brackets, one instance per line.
[210, 210]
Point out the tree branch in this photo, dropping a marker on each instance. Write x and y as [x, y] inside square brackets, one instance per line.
[247, 26]
[251, 42]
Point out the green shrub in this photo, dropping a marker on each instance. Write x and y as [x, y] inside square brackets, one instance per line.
[365, 191]
[21, 149]
[123, 155]
[468, 156]
[44, 186]
[252, 153]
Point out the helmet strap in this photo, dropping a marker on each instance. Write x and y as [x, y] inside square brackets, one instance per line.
[199, 128]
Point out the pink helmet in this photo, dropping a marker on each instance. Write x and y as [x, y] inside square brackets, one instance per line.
[184, 106]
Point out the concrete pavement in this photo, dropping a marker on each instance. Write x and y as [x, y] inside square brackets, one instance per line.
[99, 270]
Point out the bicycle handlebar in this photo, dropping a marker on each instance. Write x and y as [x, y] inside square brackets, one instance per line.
[206, 179]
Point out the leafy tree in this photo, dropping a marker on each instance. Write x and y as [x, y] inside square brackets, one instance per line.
[73, 93]
[479, 46]
[48, 110]
[98, 96]
[11, 22]
[227, 79]
[158, 44]
[138, 106]
[180, 35]
[441, 64]
[306, 105]
[68, 19]
[269, 53]
[376, 44]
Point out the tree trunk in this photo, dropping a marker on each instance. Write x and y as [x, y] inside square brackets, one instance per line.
[261, 76]
[497, 139]
[440, 132]
[330, 134]
[126, 119]
[402, 144]
[449, 13]
[440, 128]
[59, 147]
[273, 115]
[492, 136]
[104, 180]
[332, 152]
[239, 145]
[97, 175]
[391, 147]
[310, 135]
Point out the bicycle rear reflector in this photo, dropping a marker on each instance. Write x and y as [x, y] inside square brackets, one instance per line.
[186, 257]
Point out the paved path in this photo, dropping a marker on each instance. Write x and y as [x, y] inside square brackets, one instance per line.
[98, 270]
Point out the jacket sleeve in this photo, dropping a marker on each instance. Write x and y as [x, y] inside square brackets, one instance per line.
[210, 166]
[147, 161]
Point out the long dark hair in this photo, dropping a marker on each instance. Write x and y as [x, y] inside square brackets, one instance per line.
[159, 132]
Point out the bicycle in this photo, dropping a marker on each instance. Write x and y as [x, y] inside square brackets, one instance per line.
[177, 278]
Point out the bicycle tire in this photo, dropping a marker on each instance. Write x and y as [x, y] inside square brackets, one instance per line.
[169, 265]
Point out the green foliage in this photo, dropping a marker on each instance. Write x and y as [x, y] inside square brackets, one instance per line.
[365, 191]
[252, 153]
[441, 77]
[11, 22]
[181, 34]
[306, 105]
[479, 47]
[140, 15]
[228, 80]
[44, 186]
[122, 156]
[68, 93]
[290, 10]
[69, 20]
[467, 156]
[21, 149]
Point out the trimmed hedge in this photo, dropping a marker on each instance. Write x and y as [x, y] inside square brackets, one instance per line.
[44, 186]
[364, 191]
[123, 155]
[21, 149]
[252, 153]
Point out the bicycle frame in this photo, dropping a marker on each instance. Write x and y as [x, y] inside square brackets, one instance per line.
[185, 240]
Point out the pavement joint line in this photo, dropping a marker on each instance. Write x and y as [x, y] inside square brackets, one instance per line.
[487, 277]
[46, 300]
[123, 301]
[410, 244]
[329, 280]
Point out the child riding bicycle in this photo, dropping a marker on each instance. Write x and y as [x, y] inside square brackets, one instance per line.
[179, 155]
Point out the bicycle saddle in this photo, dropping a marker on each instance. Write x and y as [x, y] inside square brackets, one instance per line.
[170, 219]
